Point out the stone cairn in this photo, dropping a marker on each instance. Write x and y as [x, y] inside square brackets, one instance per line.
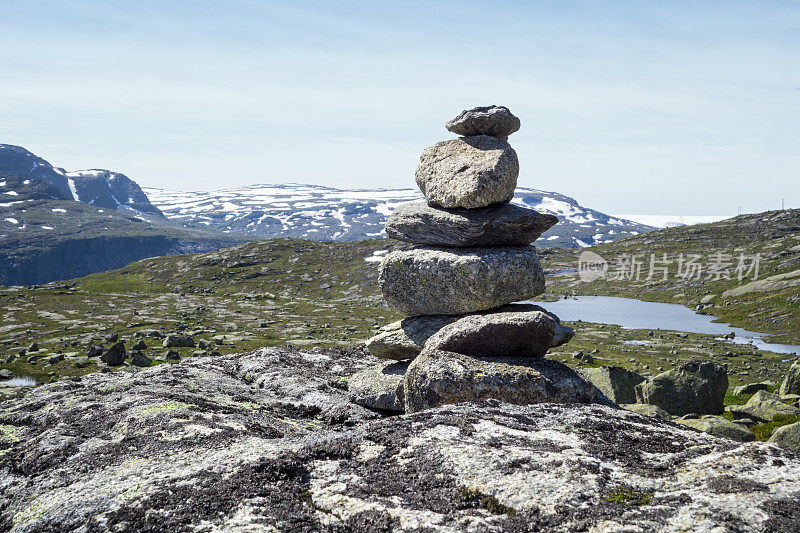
[463, 339]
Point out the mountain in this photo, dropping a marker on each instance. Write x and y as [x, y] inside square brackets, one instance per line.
[97, 187]
[324, 213]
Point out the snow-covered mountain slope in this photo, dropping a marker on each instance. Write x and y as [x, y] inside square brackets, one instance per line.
[100, 188]
[323, 213]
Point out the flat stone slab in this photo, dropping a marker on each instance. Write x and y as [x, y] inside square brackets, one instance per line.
[454, 281]
[494, 225]
[404, 339]
[468, 172]
[494, 120]
[509, 334]
[379, 387]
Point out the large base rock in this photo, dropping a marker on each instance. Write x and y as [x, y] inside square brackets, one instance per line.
[438, 378]
[268, 441]
[468, 172]
[379, 387]
[404, 339]
[692, 388]
[453, 281]
[527, 334]
[615, 382]
[500, 225]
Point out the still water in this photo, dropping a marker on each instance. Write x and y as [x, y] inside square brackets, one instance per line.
[636, 314]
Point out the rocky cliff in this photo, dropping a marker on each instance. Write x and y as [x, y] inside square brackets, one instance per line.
[268, 441]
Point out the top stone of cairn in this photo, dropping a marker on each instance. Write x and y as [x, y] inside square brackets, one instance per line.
[496, 121]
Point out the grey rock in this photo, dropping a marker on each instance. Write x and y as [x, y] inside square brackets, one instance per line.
[750, 388]
[34, 347]
[204, 344]
[111, 338]
[468, 172]
[787, 437]
[452, 281]
[154, 333]
[115, 355]
[764, 407]
[81, 362]
[262, 441]
[172, 355]
[791, 384]
[94, 351]
[140, 345]
[647, 410]
[615, 382]
[494, 120]
[497, 225]
[404, 339]
[55, 359]
[695, 387]
[140, 359]
[719, 427]
[379, 387]
[585, 357]
[438, 378]
[6, 373]
[178, 340]
[504, 334]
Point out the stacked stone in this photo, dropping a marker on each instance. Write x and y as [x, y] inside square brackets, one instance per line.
[472, 258]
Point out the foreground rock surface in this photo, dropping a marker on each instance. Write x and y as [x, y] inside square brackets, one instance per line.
[405, 339]
[453, 281]
[500, 225]
[468, 172]
[437, 378]
[267, 441]
[379, 386]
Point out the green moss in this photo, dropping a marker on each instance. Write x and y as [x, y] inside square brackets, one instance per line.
[9, 434]
[627, 496]
[764, 431]
[490, 503]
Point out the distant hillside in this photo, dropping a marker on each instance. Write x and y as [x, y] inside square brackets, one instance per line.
[324, 213]
[100, 188]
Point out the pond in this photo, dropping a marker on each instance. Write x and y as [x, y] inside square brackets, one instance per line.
[636, 314]
[19, 381]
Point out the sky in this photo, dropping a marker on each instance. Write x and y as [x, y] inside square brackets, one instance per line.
[675, 107]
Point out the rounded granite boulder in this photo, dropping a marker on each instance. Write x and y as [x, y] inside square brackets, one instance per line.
[454, 281]
[495, 225]
[468, 172]
[494, 120]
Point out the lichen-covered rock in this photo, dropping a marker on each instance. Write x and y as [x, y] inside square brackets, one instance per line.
[505, 334]
[615, 382]
[404, 339]
[468, 172]
[787, 437]
[454, 281]
[647, 410]
[379, 386]
[695, 387]
[719, 427]
[494, 120]
[496, 225]
[178, 340]
[437, 378]
[267, 441]
[764, 407]
[115, 355]
[791, 384]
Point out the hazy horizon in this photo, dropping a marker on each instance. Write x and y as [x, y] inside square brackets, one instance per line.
[628, 107]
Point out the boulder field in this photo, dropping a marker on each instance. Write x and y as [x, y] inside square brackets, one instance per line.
[268, 441]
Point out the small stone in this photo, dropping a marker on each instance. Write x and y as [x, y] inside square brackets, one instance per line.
[115, 355]
[493, 120]
[6, 374]
[140, 345]
[719, 427]
[140, 359]
[172, 355]
[647, 410]
[499, 225]
[94, 351]
[787, 437]
[455, 281]
[34, 347]
[764, 407]
[113, 337]
[55, 359]
[81, 362]
[791, 385]
[203, 344]
[438, 378]
[379, 387]
[468, 172]
[513, 334]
